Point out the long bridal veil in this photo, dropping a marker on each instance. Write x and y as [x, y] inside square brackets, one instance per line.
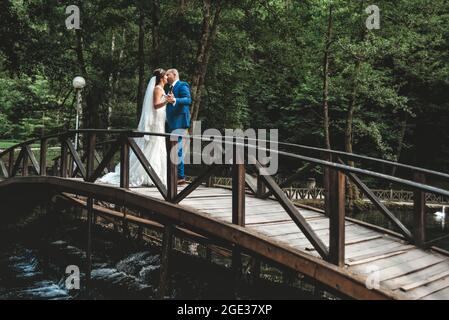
[148, 112]
[151, 120]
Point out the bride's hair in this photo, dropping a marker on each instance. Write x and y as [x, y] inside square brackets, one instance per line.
[159, 73]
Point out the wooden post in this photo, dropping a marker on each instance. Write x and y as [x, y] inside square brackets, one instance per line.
[3, 169]
[55, 168]
[70, 164]
[25, 164]
[125, 225]
[110, 165]
[90, 203]
[254, 271]
[261, 187]
[91, 141]
[238, 189]
[238, 210]
[11, 162]
[124, 164]
[337, 218]
[419, 217]
[63, 159]
[167, 241]
[43, 158]
[210, 182]
[326, 185]
[172, 169]
[237, 269]
[210, 179]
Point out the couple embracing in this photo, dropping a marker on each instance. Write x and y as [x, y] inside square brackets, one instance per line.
[162, 112]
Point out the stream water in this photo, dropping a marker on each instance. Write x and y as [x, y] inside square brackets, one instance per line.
[437, 223]
[36, 251]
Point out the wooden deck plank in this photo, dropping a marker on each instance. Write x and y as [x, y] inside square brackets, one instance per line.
[434, 290]
[409, 267]
[389, 261]
[438, 295]
[426, 281]
[421, 275]
[351, 233]
[403, 267]
[288, 228]
[375, 258]
[255, 219]
[258, 210]
[385, 250]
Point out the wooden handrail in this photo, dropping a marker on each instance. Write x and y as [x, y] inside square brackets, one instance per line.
[344, 168]
[292, 211]
[104, 162]
[380, 206]
[196, 183]
[338, 171]
[147, 166]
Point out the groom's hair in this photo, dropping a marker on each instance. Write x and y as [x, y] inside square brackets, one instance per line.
[174, 71]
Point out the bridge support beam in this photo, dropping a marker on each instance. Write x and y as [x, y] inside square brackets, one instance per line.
[167, 241]
[419, 217]
[237, 269]
[327, 186]
[238, 211]
[124, 163]
[11, 162]
[25, 164]
[337, 218]
[261, 187]
[238, 191]
[90, 205]
[63, 159]
[254, 270]
[43, 158]
[172, 169]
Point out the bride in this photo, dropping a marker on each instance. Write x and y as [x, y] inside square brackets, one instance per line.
[153, 147]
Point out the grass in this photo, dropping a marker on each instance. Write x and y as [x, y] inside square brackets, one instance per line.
[5, 144]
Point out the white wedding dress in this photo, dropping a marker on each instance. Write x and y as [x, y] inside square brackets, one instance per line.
[153, 147]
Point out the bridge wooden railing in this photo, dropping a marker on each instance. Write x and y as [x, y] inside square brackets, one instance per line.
[263, 187]
[295, 193]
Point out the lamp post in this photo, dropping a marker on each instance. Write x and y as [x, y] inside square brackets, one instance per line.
[78, 83]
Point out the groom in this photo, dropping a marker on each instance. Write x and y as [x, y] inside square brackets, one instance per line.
[178, 114]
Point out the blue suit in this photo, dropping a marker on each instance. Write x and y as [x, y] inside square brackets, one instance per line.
[178, 118]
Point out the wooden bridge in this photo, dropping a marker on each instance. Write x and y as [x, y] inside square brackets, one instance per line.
[254, 216]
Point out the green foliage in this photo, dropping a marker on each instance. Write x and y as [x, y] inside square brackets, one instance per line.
[265, 68]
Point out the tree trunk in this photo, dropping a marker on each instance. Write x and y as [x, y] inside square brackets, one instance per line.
[352, 189]
[326, 173]
[352, 192]
[209, 30]
[80, 53]
[156, 19]
[111, 84]
[326, 80]
[120, 58]
[141, 62]
[400, 140]
[91, 114]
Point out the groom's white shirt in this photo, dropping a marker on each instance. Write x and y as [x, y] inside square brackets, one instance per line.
[173, 85]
